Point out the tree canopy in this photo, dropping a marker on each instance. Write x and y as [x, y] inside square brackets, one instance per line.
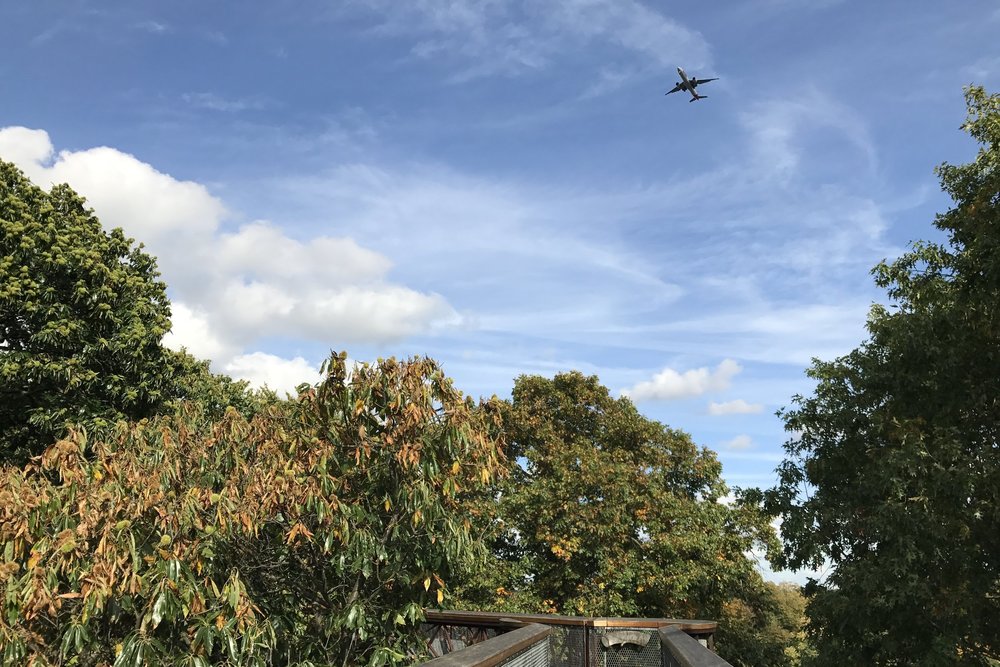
[82, 314]
[313, 533]
[892, 476]
[608, 513]
[82, 318]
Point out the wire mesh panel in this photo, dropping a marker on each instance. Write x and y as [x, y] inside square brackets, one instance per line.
[536, 655]
[626, 647]
[568, 646]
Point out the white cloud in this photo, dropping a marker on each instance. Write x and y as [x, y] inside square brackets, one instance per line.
[740, 442]
[737, 407]
[28, 149]
[233, 289]
[191, 330]
[282, 375]
[669, 384]
[162, 212]
[261, 249]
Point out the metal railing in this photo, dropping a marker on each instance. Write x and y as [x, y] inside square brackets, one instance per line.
[579, 641]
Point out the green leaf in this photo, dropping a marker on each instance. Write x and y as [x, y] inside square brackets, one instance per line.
[159, 608]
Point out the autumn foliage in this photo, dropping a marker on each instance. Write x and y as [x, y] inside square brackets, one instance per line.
[313, 533]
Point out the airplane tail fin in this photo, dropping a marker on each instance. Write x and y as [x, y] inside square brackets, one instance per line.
[697, 97]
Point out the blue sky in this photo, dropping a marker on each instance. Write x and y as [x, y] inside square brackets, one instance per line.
[503, 186]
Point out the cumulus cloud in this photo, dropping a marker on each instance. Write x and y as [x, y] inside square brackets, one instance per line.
[669, 384]
[262, 249]
[267, 370]
[192, 331]
[737, 407]
[232, 289]
[28, 149]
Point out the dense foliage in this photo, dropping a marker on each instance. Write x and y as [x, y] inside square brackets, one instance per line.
[313, 533]
[81, 318]
[766, 628]
[893, 476]
[191, 381]
[607, 513]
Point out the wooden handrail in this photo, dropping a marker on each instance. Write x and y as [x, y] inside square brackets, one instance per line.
[679, 649]
[455, 617]
[493, 651]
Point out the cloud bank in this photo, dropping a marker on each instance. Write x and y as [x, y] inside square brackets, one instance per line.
[231, 289]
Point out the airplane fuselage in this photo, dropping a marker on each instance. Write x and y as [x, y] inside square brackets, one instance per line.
[688, 84]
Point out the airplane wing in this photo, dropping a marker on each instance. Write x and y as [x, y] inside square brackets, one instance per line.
[698, 82]
[675, 89]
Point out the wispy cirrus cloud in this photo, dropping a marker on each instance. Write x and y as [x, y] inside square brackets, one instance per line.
[736, 407]
[510, 37]
[216, 102]
[781, 129]
[739, 443]
[153, 27]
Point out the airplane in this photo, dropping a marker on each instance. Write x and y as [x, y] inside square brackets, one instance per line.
[689, 85]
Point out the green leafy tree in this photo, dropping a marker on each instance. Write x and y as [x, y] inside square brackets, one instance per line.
[767, 627]
[893, 475]
[81, 318]
[314, 533]
[608, 513]
[191, 381]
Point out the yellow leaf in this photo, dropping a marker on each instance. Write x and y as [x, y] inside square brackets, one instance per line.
[440, 596]
[427, 583]
[455, 467]
[387, 504]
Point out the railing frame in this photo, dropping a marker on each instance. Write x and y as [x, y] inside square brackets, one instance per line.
[682, 641]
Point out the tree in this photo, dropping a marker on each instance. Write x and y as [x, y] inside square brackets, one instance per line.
[191, 381]
[81, 318]
[312, 534]
[767, 629]
[608, 513]
[892, 476]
